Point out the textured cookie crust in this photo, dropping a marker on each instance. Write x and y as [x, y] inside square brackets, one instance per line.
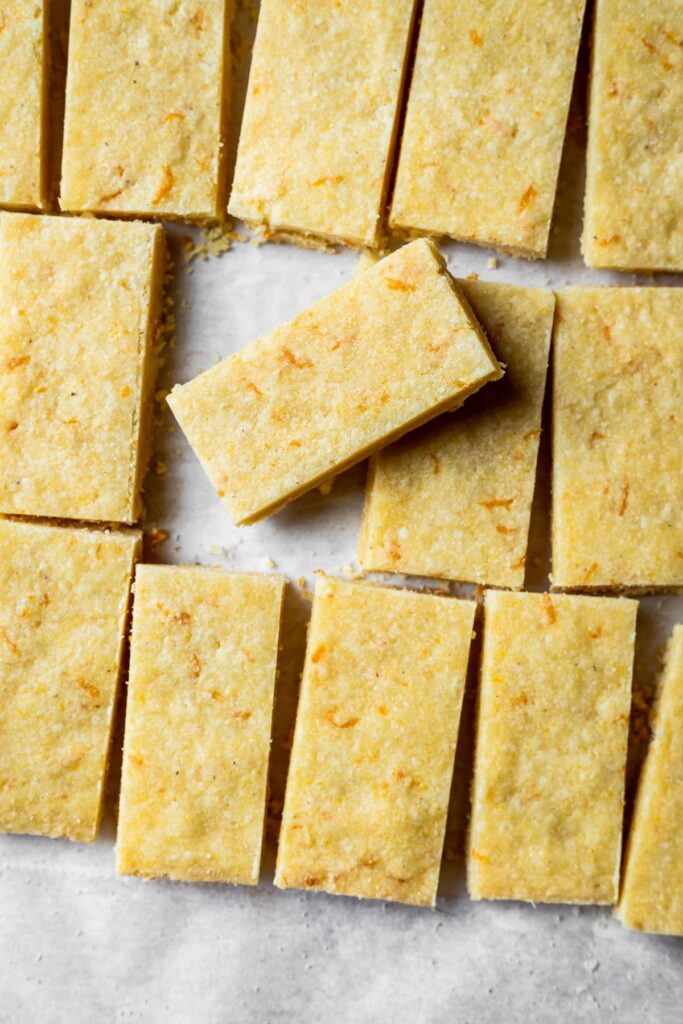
[634, 185]
[23, 104]
[548, 791]
[453, 499]
[318, 131]
[80, 306]
[652, 891]
[146, 102]
[617, 455]
[486, 119]
[63, 602]
[200, 702]
[386, 352]
[374, 744]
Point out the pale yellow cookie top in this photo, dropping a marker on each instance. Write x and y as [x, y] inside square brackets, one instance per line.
[79, 300]
[200, 701]
[634, 185]
[617, 456]
[548, 791]
[145, 104]
[23, 57]
[652, 889]
[63, 602]
[319, 122]
[453, 499]
[385, 352]
[372, 760]
[486, 119]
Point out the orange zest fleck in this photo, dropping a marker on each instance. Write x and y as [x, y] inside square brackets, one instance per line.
[10, 643]
[197, 20]
[520, 700]
[89, 688]
[497, 503]
[291, 358]
[475, 37]
[624, 498]
[397, 285]
[528, 198]
[12, 425]
[346, 724]
[16, 361]
[318, 654]
[174, 115]
[481, 858]
[243, 715]
[393, 549]
[506, 529]
[590, 571]
[612, 240]
[255, 388]
[328, 179]
[651, 48]
[167, 183]
[549, 608]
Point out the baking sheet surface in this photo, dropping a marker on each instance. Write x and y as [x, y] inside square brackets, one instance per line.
[80, 945]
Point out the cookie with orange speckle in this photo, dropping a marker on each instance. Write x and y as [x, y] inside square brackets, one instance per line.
[77, 364]
[200, 702]
[617, 477]
[63, 607]
[374, 743]
[550, 764]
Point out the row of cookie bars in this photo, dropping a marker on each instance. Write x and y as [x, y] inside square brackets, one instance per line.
[388, 351]
[147, 96]
[402, 342]
[374, 744]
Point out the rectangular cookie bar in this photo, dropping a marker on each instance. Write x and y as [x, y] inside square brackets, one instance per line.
[317, 139]
[24, 54]
[146, 104]
[80, 308]
[617, 455]
[384, 353]
[652, 888]
[553, 713]
[453, 499]
[63, 604]
[634, 182]
[198, 722]
[374, 743]
[486, 119]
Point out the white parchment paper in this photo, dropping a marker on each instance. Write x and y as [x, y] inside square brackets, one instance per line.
[80, 945]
